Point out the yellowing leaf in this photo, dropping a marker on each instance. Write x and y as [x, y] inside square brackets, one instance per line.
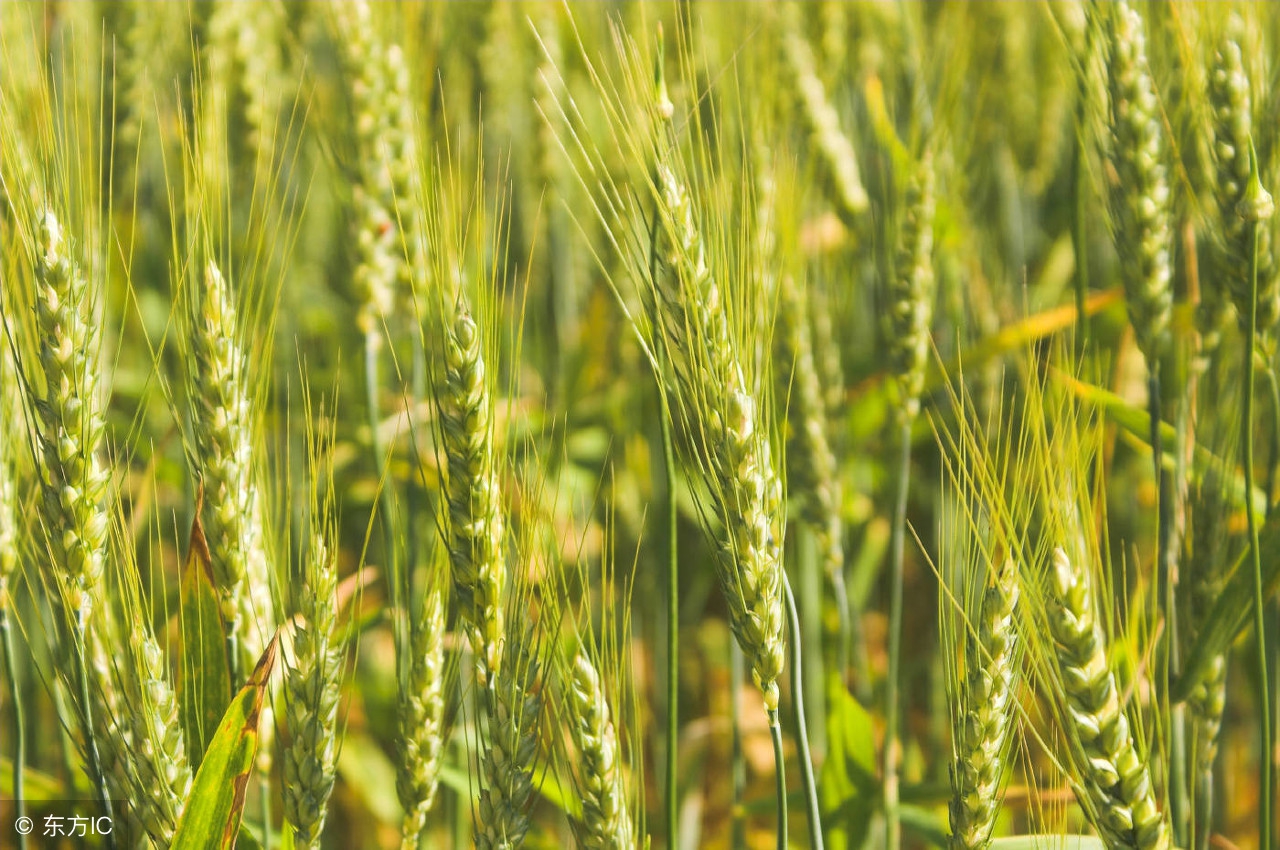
[211, 818]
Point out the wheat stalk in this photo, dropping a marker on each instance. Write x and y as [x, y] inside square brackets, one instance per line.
[1112, 779]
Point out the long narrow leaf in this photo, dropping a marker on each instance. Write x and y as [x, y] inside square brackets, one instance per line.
[211, 818]
[204, 688]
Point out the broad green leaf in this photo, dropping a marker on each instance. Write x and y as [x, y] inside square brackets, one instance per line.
[204, 687]
[847, 786]
[211, 818]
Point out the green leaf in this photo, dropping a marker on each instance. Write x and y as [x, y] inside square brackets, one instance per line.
[847, 787]
[211, 817]
[367, 771]
[204, 686]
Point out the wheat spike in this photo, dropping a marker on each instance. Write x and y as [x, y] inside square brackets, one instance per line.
[606, 822]
[912, 287]
[475, 511]
[224, 425]
[312, 685]
[421, 717]
[1140, 194]
[985, 721]
[513, 707]
[738, 462]
[1232, 106]
[391, 251]
[1113, 782]
[835, 151]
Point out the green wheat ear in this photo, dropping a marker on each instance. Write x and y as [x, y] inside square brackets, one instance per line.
[421, 716]
[476, 523]
[913, 286]
[986, 717]
[1114, 780]
[1231, 103]
[606, 821]
[224, 423]
[1140, 196]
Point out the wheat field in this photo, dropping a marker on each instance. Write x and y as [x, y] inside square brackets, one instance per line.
[639, 424]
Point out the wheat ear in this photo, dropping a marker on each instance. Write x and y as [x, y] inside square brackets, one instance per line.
[475, 511]
[224, 425]
[69, 429]
[985, 721]
[835, 152]
[912, 287]
[312, 686]
[160, 775]
[606, 821]
[421, 717]
[1232, 107]
[391, 251]
[1140, 194]
[1113, 781]
[513, 706]
[739, 464]
[245, 52]
[811, 463]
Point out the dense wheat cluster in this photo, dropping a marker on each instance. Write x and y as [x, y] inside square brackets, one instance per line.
[681, 424]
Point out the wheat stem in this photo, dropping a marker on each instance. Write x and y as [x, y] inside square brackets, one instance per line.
[807, 777]
[1259, 213]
